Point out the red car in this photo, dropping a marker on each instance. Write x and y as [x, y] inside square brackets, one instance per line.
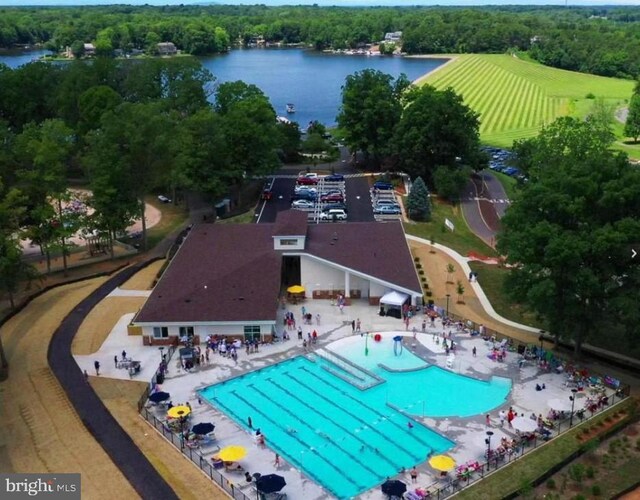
[267, 194]
[332, 197]
[307, 181]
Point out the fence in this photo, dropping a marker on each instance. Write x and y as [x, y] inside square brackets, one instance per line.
[495, 460]
[157, 376]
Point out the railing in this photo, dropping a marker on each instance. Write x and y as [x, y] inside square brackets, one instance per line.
[496, 460]
[158, 375]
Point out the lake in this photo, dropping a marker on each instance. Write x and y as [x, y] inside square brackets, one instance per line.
[310, 80]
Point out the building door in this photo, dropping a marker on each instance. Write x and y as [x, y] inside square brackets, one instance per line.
[291, 271]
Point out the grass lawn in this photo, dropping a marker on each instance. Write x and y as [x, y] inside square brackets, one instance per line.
[243, 218]
[516, 97]
[492, 279]
[462, 240]
[172, 217]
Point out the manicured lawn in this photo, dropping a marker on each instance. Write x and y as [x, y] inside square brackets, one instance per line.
[516, 97]
[462, 240]
[244, 218]
[172, 217]
[492, 279]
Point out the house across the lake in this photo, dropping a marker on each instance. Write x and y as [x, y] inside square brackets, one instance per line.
[394, 36]
[228, 279]
[167, 49]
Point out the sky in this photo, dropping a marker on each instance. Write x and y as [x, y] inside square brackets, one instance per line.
[319, 2]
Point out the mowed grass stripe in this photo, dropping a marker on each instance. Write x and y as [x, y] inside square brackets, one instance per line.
[496, 101]
[512, 105]
[480, 90]
[457, 71]
[523, 105]
[527, 112]
[465, 81]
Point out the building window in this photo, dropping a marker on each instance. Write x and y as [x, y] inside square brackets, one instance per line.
[252, 332]
[186, 331]
[160, 332]
[288, 242]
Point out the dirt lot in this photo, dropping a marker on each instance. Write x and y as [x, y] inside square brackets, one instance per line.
[101, 320]
[41, 430]
[145, 278]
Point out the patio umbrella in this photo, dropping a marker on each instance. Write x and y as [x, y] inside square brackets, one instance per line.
[270, 483]
[203, 428]
[524, 424]
[156, 397]
[394, 488]
[442, 463]
[178, 411]
[296, 289]
[232, 453]
[559, 404]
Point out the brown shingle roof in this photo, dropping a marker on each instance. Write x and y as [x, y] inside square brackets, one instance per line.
[373, 248]
[230, 272]
[222, 272]
[290, 223]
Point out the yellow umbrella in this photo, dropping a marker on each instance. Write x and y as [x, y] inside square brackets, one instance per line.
[442, 463]
[296, 289]
[179, 411]
[232, 453]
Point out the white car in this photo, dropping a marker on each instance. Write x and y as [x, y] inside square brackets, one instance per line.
[164, 199]
[299, 188]
[309, 175]
[302, 204]
[336, 213]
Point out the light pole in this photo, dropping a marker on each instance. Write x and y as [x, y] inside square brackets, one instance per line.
[448, 295]
[488, 441]
[573, 402]
[161, 349]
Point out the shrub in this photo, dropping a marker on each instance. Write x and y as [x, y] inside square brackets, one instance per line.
[590, 95]
[596, 491]
[418, 266]
[551, 484]
[576, 472]
[579, 497]
[421, 272]
[590, 472]
[429, 293]
[416, 259]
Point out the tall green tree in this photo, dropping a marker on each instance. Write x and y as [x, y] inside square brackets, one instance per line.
[632, 125]
[371, 108]
[567, 234]
[437, 128]
[418, 203]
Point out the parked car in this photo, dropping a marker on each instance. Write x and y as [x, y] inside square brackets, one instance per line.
[382, 185]
[334, 206]
[298, 189]
[310, 175]
[267, 194]
[387, 210]
[303, 196]
[164, 199]
[388, 202]
[307, 181]
[303, 204]
[332, 191]
[334, 213]
[334, 178]
[332, 197]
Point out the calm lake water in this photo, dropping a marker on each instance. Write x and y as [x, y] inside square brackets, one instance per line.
[310, 80]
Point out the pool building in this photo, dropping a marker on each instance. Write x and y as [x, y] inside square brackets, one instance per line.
[227, 279]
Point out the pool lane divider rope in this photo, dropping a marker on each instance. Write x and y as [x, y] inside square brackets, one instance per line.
[355, 417]
[297, 438]
[371, 409]
[306, 424]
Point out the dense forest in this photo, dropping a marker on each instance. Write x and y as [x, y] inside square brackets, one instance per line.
[599, 40]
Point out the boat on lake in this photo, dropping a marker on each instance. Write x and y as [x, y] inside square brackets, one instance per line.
[291, 108]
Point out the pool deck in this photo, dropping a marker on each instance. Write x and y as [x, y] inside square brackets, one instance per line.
[468, 433]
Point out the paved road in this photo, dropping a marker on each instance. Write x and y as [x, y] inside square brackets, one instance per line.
[483, 204]
[147, 482]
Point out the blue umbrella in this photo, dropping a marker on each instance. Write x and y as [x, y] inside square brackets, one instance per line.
[270, 483]
[203, 428]
[156, 397]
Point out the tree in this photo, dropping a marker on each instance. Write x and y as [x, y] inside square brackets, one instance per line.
[460, 292]
[418, 203]
[371, 108]
[289, 141]
[450, 270]
[93, 103]
[568, 232]
[77, 49]
[436, 129]
[449, 181]
[632, 125]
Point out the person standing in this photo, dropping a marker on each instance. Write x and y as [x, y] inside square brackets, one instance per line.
[488, 420]
[414, 475]
[353, 325]
[474, 351]
[115, 361]
[503, 416]
[96, 365]
[424, 325]
[358, 325]
[124, 355]
[318, 319]
[276, 462]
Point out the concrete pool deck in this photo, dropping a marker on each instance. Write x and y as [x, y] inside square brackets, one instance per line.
[468, 433]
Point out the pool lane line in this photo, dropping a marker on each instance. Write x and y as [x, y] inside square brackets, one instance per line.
[373, 410]
[303, 443]
[306, 424]
[355, 417]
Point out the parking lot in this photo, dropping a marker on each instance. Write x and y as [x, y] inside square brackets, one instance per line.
[350, 198]
[500, 160]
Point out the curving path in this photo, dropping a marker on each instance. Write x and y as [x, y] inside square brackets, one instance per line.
[483, 205]
[144, 478]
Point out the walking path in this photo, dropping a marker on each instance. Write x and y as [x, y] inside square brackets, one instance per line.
[483, 205]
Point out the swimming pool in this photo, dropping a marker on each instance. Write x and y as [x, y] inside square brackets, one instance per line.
[345, 438]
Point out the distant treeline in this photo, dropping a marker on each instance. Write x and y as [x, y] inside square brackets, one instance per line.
[599, 40]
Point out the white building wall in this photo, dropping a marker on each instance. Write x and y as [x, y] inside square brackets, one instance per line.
[234, 329]
[377, 290]
[318, 276]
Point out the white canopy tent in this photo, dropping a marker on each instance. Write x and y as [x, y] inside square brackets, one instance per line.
[394, 299]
